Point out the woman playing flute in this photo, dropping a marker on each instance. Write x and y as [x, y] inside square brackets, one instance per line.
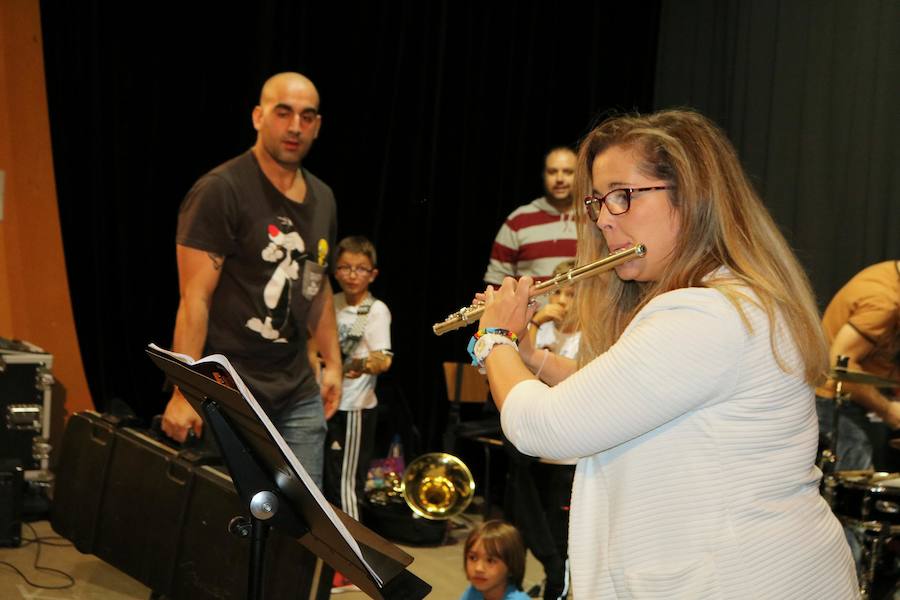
[690, 407]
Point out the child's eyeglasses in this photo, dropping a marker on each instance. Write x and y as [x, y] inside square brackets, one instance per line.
[348, 269]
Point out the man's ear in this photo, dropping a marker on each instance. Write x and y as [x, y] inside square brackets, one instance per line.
[256, 117]
[318, 126]
[374, 275]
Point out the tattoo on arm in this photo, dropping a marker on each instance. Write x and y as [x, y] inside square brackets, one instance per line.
[217, 259]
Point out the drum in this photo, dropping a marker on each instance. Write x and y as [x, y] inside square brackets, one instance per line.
[866, 499]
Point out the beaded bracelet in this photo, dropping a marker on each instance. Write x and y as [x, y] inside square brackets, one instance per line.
[504, 332]
[491, 337]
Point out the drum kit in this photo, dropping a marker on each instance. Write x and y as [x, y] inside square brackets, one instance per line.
[866, 502]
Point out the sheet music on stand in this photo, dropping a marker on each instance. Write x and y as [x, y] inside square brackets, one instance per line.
[330, 536]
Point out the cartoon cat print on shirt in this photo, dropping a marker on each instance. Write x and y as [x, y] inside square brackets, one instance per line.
[286, 248]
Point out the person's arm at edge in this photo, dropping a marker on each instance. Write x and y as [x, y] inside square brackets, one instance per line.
[849, 342]
[378, 366]
[548, 367]
[381, 342]
[312, 353]
[198, 276]
[322, 322]
[506, 368]
[378, 339]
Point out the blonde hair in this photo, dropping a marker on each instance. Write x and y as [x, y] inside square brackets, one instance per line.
[569, 323]
[503, 541]
[722, 223]
[564, 267]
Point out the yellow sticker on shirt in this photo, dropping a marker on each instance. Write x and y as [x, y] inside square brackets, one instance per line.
[323, 251]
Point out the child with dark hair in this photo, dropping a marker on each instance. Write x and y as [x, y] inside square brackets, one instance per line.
[495, 563]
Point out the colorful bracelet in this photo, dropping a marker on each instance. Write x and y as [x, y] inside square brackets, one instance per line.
[504, 332]
[483, 342]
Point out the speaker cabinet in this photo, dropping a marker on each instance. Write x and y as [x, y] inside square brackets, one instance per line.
[12, 486]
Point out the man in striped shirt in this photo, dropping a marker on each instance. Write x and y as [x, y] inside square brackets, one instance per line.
[534, 239]
[539, 235]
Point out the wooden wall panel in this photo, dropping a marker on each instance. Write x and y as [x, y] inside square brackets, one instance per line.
[34, 289]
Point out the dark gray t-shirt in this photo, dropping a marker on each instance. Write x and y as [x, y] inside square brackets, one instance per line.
[276, 260]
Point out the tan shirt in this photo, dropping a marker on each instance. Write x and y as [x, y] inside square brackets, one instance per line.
[870, 303]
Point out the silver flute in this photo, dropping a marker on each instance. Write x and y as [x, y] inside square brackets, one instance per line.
[470, 314]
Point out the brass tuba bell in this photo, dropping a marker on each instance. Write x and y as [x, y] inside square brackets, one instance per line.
[438, 486]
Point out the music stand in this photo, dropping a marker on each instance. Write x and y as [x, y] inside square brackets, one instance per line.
[277, 490]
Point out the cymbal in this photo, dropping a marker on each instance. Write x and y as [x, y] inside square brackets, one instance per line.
[861, 377]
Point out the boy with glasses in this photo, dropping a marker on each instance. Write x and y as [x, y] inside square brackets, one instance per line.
[364, 332]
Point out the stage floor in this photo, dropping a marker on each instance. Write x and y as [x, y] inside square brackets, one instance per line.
[441, 566]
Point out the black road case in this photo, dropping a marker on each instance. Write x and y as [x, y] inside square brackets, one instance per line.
[161, 516]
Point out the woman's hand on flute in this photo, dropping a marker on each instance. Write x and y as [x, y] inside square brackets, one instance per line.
[508, 307]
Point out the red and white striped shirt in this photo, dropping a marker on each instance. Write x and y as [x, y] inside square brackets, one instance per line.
[535, 238]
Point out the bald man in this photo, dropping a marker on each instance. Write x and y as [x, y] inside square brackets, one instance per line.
[253, 243]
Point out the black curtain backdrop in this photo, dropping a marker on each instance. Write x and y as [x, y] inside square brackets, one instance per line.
[436, 116]
[808, 91]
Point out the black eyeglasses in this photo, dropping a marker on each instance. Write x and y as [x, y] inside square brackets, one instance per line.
[348, 269]
[617, 201]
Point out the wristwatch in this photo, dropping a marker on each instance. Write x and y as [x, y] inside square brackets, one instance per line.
[484, 345]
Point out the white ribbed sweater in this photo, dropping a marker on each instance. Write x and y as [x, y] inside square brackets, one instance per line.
[697, 478]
